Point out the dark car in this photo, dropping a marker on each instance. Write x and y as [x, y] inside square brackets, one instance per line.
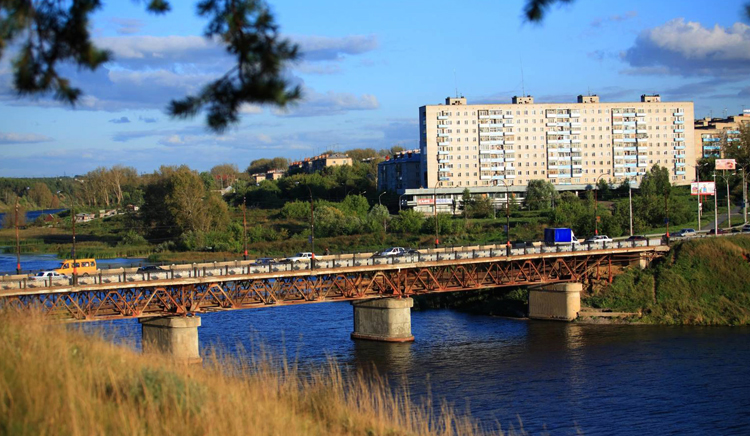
[717, 232]
[150, 268]
[264, 261]
[410, 251]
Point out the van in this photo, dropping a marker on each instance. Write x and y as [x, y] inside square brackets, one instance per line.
[84, 267]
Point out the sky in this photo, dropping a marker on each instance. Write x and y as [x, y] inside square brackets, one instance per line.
[365, 70]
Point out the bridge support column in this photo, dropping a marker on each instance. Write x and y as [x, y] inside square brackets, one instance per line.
[384, 319]
[559, 301]
[175, 336]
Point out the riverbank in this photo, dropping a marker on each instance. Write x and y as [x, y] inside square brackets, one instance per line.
[702, 281]
[102, 388]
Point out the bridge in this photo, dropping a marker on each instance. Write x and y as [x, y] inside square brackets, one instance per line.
[168, 301]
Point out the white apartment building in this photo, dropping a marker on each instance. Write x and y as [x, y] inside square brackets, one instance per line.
[485, 146]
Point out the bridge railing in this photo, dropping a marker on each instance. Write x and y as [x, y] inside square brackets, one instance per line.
[241, 267]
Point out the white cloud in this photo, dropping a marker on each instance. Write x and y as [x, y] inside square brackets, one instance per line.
[324, 48]
[330, 103]
[23, 138]
[687, 48]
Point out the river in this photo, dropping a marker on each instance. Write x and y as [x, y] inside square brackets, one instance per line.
[557, 377]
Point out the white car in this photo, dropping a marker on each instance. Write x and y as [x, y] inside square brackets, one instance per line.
[392, 251]
[684, 233]
[304, 256]
[600, 239]
[48, 275]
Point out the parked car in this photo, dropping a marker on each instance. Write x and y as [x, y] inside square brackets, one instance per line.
[684, 233]
[599, 239]
[637, 238]
[150, 269]
[391, 251]
[718, 231]
[304, 256]
[48, 275]
[264, 261]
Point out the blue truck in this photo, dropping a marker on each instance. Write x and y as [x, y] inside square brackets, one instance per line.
[559, 236]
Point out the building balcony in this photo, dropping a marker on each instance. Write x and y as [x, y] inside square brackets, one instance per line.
[642, 131]
[506, 116]
[443, 135]
[484, 117]
[575, 114]
[443, 143]
[444, 161]
[559, 132]
[510, 142]
[679, 139]
[442, 117]
[679, 164]
[442, 179]
[491, 133]
[679, 130]
[443, 126]
[680, 172]
[628, 114]
[441, 152]
[679, 122]
[491, 142]
[510, 159]
[679, 147]
[679, 114]
[575, 124]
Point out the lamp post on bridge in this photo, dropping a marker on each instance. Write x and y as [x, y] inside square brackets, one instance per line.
[244, 227]
[596, 203]
[312, 228]
[507, 211]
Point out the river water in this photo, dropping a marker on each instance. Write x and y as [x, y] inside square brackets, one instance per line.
[560, 378]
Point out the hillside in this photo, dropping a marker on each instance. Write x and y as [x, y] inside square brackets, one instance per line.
[702, 281]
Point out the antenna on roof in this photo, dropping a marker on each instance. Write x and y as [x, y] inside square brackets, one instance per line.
[455, 81]
[725, 112]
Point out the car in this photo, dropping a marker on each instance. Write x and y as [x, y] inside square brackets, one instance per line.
[637, 238]
[149, 269]
[684, 233]
[746, 228]
[264, 261]
[391, 251]
[304, 256]
[717, 232]
[48, 275]
[599, 239]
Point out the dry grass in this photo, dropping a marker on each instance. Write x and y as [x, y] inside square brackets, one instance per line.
[56, 381]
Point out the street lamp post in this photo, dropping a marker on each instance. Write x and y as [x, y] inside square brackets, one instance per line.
[716, 208]
[507, 211]
[630, 205]
[729, 203]
[381, 194]
[312, 228]
[18, 243]
[244, 227]
[434, 209]
[596, 203]
[399, 202]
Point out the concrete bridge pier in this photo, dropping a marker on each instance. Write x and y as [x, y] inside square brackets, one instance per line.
[558, 301]
[175, 336]
[383, 319]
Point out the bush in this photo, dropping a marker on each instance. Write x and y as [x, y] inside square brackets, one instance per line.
[132, 238]
[296, 210]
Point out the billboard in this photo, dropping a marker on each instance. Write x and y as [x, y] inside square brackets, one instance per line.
[702, 188]
[725, 164]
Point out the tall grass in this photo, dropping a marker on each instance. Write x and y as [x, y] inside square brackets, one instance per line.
[59, 381]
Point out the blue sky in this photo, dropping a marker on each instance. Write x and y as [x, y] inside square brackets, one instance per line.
[366, 69]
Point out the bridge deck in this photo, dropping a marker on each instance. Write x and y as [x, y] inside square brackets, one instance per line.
[335, 281]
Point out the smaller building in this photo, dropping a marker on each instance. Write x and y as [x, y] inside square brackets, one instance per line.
[258, 177]
[711, 132]
[84, 217]
[400, 172]
[318, 163]
[274, 174]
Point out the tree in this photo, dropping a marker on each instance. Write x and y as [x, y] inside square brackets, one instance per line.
[467, 202]
[225, 174]
[482, 207]
[739, 150]
[41, 195]
[264, 165]
[53, 33]
[118, 177]
[408, 221]
[377, 218]
[9, 219]
[540, 194]
[360, 154]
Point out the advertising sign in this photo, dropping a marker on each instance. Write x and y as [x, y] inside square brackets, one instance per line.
[422, 201]
[702, 188]
[725, 164]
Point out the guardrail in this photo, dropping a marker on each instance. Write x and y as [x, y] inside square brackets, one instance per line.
[246, 267]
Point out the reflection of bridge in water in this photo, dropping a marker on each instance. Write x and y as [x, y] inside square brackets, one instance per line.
[378, 287]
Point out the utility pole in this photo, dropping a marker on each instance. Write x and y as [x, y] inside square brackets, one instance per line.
[312, 230]
[716, 208]
[434, 207]
[630, 203]
[729, 204]
[18, 243]
[75, 265]
[244, 226]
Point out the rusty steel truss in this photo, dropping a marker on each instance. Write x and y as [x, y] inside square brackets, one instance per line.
[204, 294]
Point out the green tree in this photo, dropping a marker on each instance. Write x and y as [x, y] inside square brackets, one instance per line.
[482, 207]
[408, 221]
[355, 205]
[53, 33]
[41, 195]
[264, 165]
[467, 203]
[739, 150]
[378, 218]
[540, 194]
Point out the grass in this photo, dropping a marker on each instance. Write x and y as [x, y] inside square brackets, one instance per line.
[701, 282]
[59, 381]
